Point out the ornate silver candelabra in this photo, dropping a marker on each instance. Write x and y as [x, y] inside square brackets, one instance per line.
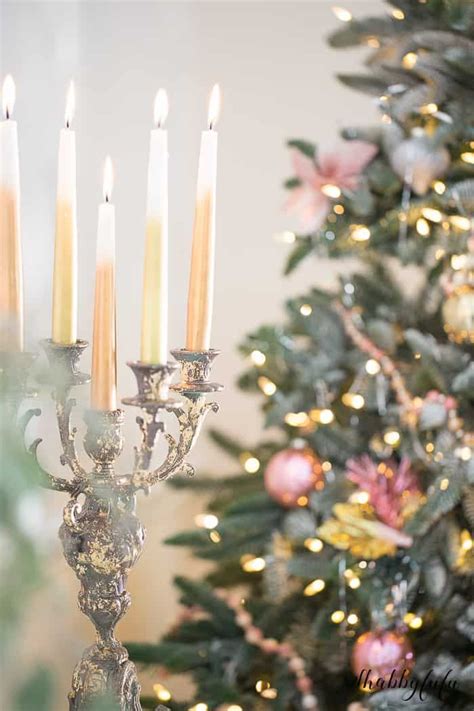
[102, 537]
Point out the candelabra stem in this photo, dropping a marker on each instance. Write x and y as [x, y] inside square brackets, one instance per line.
[102, 539]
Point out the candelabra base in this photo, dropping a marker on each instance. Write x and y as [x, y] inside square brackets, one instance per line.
[105, 675]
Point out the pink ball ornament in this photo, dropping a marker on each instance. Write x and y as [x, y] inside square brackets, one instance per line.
[382, 652]
[291, 474]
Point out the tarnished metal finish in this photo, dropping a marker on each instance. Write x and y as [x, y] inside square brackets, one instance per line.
[195, 372]
[101, 536]
[153, 382]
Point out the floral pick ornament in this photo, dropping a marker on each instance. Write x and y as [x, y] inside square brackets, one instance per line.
[325, 176]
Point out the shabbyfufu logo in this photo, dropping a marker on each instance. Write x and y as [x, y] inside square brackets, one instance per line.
[420, 687]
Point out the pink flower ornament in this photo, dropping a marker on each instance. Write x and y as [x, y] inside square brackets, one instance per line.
[340, 168]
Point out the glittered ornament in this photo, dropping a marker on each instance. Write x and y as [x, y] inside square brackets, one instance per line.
[418, 161]
[382, 653]
[292, 474]
[458, 314]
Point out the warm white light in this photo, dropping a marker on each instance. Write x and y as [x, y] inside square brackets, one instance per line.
[108, 179]
[392, 438]
[432, 214]
[342, 14]
[306, 310]
[409, 60]
[258, 358]
[206, 520]
[331, 190]
[162, 693]
[285, 237]
[468, 157]
[439, 187]
[266, 385]
[354, 583]
[326, 416]
[314, 588]
[315, 545]
[458, 261]
[422, 227]
[8, 96]
[251, 465]
[160, 107]
[337, 616]
[359, 497]
[214, 106]
[462, 223]
[372, 367]
[398, 14]
[70, 105]
[296, 419]
[253, 565]
[353, 400]
[360, 233]
[352, 618]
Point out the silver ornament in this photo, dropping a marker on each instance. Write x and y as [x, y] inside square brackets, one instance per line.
[418, 161]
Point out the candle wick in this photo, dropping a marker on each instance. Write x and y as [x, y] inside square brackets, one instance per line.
[67, 123]
[106, 198]
[7, 114]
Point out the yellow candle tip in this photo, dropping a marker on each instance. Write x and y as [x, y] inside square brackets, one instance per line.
[8, 95]
[214, 106]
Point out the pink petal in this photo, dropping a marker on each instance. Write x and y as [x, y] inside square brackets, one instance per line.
[304, 167]
[344, 164]
[310, 207]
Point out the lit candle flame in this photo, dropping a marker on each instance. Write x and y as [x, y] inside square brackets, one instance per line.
[214, 106]
[70, 105]
[108, 179]
[160, 107]
[8, 96]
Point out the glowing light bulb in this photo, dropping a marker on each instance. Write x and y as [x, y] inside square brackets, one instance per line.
[258, 358]
[409, 60]
[372, 366]
[337, 617]
[422, 227]
[392, 438]
[162, 693]
[206, 520]
[306, 310]
[353, 400]
[468, 157]
[314, 588]
[352, 619]
[439, 187]
[266, 385]
[342, 14]
[432, 214]
[315, 545]
[252, 565]
[462, 223]
[251, 465]
[331, 190]
[360, 233]
[296, 419]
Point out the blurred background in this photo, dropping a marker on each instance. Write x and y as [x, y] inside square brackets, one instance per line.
[277, 78]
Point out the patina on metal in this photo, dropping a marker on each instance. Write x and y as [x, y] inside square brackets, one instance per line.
[102, 537]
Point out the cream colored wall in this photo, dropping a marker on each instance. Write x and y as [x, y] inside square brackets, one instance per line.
[277, 78]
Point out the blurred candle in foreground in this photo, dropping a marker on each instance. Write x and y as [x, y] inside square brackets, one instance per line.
[65, 251]
[201, 283]
[154, 345]
[104, 364]
[11, 275]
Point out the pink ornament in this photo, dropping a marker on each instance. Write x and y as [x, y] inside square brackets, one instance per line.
[253, 635]
[382, 652]
[340, 167]
[269, 646]
[292, 473]
[296, 664]
[304, 684]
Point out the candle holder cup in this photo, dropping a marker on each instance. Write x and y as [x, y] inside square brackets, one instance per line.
[102, 537]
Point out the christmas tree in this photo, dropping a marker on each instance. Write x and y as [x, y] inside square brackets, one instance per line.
[341, 548]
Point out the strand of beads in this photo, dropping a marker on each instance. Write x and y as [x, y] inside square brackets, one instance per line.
[269, 645]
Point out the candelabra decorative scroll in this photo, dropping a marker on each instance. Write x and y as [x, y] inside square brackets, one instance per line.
[101, 536]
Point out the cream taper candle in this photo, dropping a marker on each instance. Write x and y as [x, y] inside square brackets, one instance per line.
[201, 282]
[65, 251]
[11, 274]
[154, 336]
[104, 357]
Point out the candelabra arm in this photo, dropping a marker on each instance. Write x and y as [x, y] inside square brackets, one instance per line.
[63, 360]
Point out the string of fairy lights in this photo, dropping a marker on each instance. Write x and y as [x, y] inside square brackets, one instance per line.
[425, 219]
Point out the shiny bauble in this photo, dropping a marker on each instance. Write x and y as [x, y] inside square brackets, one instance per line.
[458, 314]
[418, 161]
[291, 474]
[383, 652]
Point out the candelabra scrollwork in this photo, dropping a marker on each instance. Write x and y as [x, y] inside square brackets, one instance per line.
[101, 536]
